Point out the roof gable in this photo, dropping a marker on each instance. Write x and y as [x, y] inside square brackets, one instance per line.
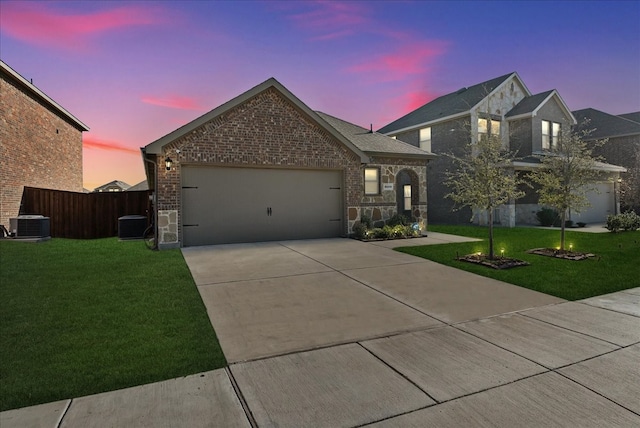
[605, 125]
[457, 103]
[29, 87]
[157, 146]
[529, 106]
[373, 142]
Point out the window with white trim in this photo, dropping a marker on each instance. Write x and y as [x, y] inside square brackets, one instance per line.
[485, 129]
[371, 181]
[425, 139]
[550, 134]
[407, 197]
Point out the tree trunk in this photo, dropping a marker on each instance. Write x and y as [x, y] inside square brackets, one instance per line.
[563, 216]
[490, 211]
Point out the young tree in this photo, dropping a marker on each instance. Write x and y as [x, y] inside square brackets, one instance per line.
[566, 174]
[483, 179]
[630, 186]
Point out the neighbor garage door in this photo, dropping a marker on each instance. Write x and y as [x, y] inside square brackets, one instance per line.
[602, 204]
[229, 205]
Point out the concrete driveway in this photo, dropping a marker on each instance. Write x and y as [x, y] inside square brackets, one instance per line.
[343, 333]
[276, 298]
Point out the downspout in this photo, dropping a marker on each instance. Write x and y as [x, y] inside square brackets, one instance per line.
[154, 195]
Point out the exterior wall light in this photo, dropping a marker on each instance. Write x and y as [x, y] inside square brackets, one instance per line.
[168, 162]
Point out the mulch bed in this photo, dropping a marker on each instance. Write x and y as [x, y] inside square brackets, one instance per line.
[495, 263]
[561, 254]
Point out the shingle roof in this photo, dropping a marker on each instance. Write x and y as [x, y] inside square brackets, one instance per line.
[635, 116]
[605, 125]
[528, 104]
[447, 105]
[143, 185]
[118, 183]
[373, 142]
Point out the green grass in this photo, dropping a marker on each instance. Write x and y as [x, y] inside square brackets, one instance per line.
[79, 317]
[616, 265]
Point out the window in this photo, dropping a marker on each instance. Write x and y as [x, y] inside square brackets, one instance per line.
[407, 197]
[550, 134]
[425, 139]
[371, 181]
[483, 128]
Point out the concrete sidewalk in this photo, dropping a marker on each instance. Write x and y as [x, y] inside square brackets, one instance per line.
[344, 333]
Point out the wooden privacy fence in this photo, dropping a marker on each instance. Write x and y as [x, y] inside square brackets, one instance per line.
[84, 215]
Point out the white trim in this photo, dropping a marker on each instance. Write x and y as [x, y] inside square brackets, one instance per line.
[430, 123]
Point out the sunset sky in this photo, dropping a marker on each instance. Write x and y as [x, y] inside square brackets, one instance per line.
[135, 71]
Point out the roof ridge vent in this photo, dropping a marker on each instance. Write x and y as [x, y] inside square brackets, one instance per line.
[461, 90]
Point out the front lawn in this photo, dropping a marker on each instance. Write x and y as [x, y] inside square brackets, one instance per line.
[79, 317]
[616, 265]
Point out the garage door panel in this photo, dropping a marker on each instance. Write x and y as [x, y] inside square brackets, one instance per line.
[602, 203]
[231, 205]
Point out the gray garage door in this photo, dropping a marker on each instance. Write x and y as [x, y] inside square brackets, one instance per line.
[230, 205]
[602, 204]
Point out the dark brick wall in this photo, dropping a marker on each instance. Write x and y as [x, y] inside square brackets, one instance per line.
[449, 137]
[520, 137]
[619, 150]
[39, 148]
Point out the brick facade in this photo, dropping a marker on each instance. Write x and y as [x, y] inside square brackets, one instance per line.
[39, 147]
[450, 137]
[268, 131]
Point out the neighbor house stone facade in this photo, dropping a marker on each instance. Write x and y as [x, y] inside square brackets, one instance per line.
[41, 143]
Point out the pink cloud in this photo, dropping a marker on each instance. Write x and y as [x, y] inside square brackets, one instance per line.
[173, 101]
[412, 100]
[39, 24]
[95, 143]
[410, 60]
[332, 19]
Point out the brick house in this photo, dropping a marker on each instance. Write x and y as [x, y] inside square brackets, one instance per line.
[264, 166]
[112, 186]
[526, 123]
[622, 146]
[41, 143]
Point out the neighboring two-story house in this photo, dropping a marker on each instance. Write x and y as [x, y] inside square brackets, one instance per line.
[112, 186]
[528, 124]
[622, 147]
[41, 143]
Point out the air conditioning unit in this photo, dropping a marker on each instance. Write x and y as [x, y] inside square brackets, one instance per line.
[30, 226]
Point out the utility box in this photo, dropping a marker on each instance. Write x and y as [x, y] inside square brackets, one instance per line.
[30, 226]
[131, 226]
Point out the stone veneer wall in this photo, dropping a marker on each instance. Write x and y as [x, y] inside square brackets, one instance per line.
[380, 208]
[168, 228]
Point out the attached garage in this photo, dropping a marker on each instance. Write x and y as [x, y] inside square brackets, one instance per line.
[264, 167]
[602, 203]
[229, 205]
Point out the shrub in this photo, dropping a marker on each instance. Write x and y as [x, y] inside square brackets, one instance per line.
[398, 220]
[614, 223]
[548, 217]
[360, 231]
[568, 223]
[627, 221]
[366, 220]
[380, 232]
[630, 220]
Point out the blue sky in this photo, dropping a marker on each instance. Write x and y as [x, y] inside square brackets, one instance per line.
[134, 71]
